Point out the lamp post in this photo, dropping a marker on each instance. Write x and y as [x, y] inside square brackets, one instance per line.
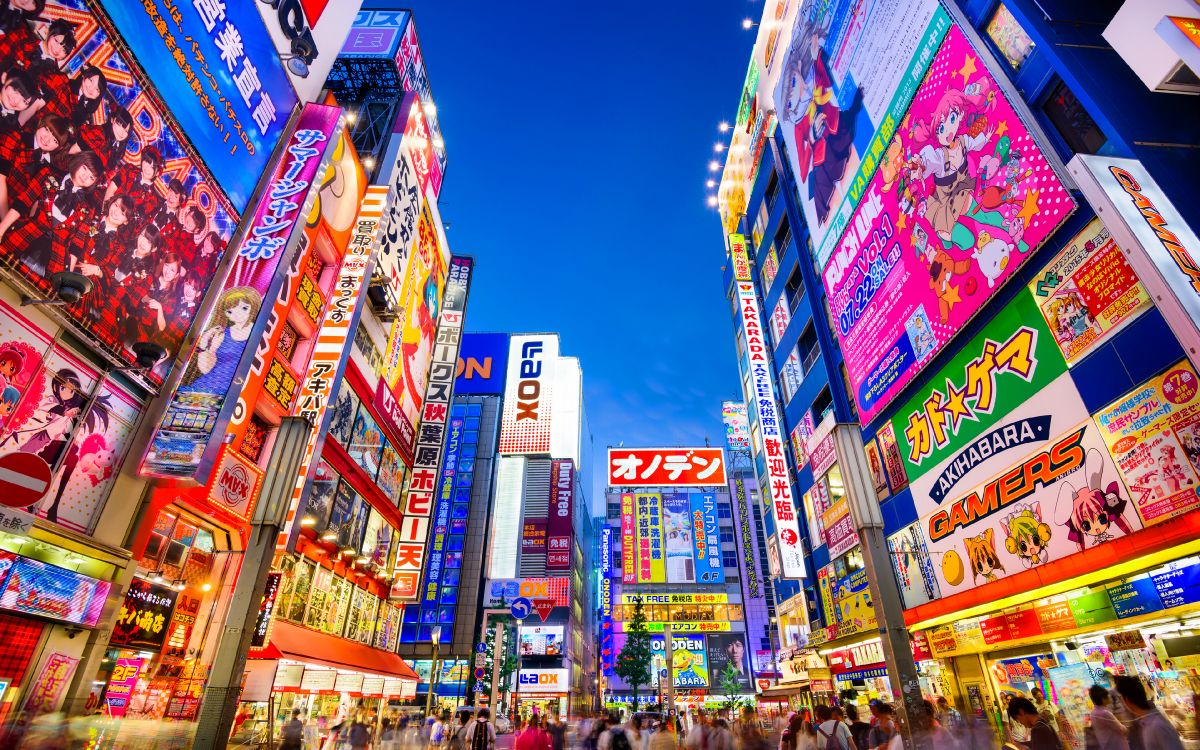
[433, 671]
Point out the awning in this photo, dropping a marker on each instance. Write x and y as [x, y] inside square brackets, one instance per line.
[783, 691]
[301, 644]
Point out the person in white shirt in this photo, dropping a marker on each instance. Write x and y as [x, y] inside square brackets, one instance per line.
[1110, 733]
[831, 733]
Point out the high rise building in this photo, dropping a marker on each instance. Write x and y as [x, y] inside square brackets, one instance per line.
[914, 275]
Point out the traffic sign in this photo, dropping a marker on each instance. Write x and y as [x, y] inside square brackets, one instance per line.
[24, 479]
[481, 648]
[479, 673]
[543, 607]
[520, 608]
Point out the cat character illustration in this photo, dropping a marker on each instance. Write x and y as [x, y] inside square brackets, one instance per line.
[1090, 511]
[992, 254]
[1028, 535]
[943, 267]
[981, 553]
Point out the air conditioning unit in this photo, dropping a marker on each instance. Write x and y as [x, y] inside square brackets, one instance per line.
[1160, 41]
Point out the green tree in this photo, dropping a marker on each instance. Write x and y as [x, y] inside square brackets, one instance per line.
[730, 684]
[633, 663]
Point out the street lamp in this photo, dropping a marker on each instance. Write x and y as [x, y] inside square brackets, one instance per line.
[433, 670]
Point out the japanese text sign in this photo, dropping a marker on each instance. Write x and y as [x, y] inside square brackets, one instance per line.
[666, 467]
[145, 612]
[217, 71]
[120, 685]
[559, 533]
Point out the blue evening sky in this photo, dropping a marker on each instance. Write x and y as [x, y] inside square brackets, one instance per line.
[578, 138]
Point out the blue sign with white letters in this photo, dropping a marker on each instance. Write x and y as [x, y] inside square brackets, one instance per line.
[215, 67]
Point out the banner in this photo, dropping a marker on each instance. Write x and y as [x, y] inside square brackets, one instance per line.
[737, 425]
[726, 651]
[1153, 433]
[683, 558]
[750, 561]
[1088, 292]
[525, 423]
[689, 660]
[706, 538]
[940, 230]
[190, 432]
[628, 539]
[120, 687]
[482, 363]
[651, 555]
[560, 536]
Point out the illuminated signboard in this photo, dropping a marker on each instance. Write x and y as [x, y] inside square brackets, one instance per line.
[559, 528]
[144, 616]
[525, 425]
[507, 589]
[666, 467]
[35, 588]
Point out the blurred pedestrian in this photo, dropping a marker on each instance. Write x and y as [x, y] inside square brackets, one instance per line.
[1106, 732]
[359, 734]
[292, 736]
[859, 730]
[747, 733]
[948, 716]
[557, 731]
[719, 736]
[885, 735]
[480, 734]
[1041, 732]
[697, 739]
[1151, 730]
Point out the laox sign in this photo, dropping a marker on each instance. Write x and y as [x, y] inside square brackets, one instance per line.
[529, 389]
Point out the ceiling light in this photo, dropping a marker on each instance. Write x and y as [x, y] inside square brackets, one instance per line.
[712, 201]
[718, 147]
[308, 521]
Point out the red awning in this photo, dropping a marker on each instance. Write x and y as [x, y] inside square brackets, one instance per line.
[302, 644]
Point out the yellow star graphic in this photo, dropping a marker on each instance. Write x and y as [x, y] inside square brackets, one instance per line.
[956, 405]
[1002, 128]
[902, 220]
[952, 297]
[968, 68]
[1030, 207]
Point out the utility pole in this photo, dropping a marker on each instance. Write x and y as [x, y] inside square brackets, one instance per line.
[885, 592]
[215, 721]
[668, 650]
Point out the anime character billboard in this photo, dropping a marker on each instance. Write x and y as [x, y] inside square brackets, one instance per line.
[962, 197]
[95, 180]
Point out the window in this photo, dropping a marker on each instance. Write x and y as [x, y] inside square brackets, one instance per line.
[727, 536]
[794, 289]
[1072, 121]
[729, 558]
[723, 511]
[1009, 37]
[783, 236]
[808, 348]
[772, 192]
[760, 224]
[822, 405]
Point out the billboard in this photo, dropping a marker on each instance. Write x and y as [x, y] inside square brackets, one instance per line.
[939, 232]
[628, 539]
[913, 567]
[1088, 292]
[772, 445]
[506, 589]
[689, 660]
[1153, 433]
[670, 537]
[560, 536]
[482, 364]
[666, 467]
[725, 651]
[706, 537]
[651, 555]
[310, 34]
[218, 73]
[189, 433]
[121, 135]
[543, 681]
[737, 425]
[541, 640]
[525, 423]
[844, 81]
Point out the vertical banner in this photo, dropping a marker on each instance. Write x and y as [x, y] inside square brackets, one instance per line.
[679, 538]
[628, 539]
[120, 686]
[319, 387]
[749, 560]
[435, 409]
[559, 536]
[707, 538]
[737, 425]
[652, 566]
[525, 423]
[192, 429]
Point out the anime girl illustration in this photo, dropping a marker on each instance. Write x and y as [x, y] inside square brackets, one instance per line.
[1170, 470]
[50, 428]
[221, 345]
[91, 455]
[1070, 315]
[1005, 161]
[11, 362]
[957, 127]
[981, 554]
[1027, 534]
[1090, 511]
[416, 346]
[824, 127]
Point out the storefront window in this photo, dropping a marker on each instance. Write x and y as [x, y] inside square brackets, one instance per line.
[300, 589]
[318, 600]
[1073, 122]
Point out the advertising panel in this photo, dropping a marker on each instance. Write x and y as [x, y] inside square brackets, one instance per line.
[651, 554]
[541, 640]
[628, 539]
[506, 589]
[482, 363]
[913, 567]
[308, 34]
[145, 613]
[1088, 292]
[737, 425]
[675, 598]
[937, 233]
[725, 651]
[706, 538]
[217, 71]
[399, 220]
[682, 557]
[772, 442]
[190, 430]
[1153, 433]
[689, 660]
[750, 561]
[839, 534]
[533, 536]
[121, 134]
[560, 535]
[844, 82]
[893, 462]
[525, 423]
[427, 456]
[666, 467]
[445, 497]
[543, 681]
[35, 588]
[120, 686]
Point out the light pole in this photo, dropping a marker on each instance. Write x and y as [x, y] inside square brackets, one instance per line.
[433, 671]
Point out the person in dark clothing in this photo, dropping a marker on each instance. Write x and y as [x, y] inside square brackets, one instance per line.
[292, 737]
[859, 729]
[1041, 735]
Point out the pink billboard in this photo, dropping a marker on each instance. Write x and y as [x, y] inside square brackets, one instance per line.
[961, 198]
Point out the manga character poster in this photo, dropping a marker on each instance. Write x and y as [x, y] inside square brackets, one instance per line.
[319, 503]
[962, 197]
[341, 424]
[95, 180]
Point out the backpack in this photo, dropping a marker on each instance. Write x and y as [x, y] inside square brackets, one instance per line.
[619, 740]
[832, 741]
[457, 740]
[480, 739]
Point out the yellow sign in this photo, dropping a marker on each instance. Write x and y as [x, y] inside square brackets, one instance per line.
[675, 598]
[741, 261]
[678, 628]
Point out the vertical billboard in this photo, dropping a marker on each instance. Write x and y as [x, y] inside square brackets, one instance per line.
[678, 535]
[525, 423]
[628, 539]
[217, 71]
[142, 219]
[651, 555]
[689, 660]
[427, 455]
[727, 653]
[706, 535]
[737, 425]
[482, 364]
[937, 233]
[560, 536]
[190, 431]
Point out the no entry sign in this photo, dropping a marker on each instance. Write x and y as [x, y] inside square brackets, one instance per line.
[24, 479]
